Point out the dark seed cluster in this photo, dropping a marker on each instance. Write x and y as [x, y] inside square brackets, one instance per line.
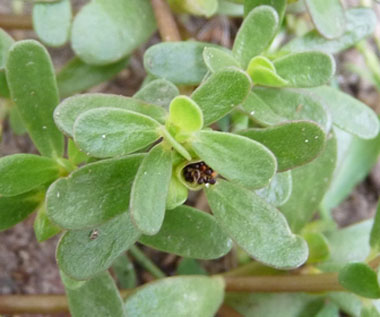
[199, 173]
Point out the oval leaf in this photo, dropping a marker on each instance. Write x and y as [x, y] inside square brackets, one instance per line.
[191, 233]
[257, 227]
[221, 93]
[102, 188]
[150, 189]
[82, 254]
[178, 62]
[360, 23]
[255, 34]
[217, 59]
[306, 69]
[197, 7]
[279, 189]
[293, 144]
[105, 31]
[44, 229]
[360, 279]
[235, 157]
[375, 231]
[52, 22]
[20, 173]
[106, 132]
[177, 194]
[77, 76]
[71, 108]
[349, 113]
[97, 296]
[33, 88]
[177, 296]
[318, 247]
[278, 5]
[328, 17]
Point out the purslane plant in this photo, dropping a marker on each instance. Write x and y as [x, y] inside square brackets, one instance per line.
[131, 161]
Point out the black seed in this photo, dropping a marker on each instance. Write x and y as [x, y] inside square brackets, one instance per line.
[200, 181]
[209, 171]
[212, 181]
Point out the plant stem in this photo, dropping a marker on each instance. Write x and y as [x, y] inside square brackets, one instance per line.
[145, 262]
[33, 304]
[167, 26]
[22, 22]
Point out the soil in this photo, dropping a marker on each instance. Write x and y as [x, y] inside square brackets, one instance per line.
[29, 267]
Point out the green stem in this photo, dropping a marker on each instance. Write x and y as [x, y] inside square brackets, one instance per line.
[145, 262]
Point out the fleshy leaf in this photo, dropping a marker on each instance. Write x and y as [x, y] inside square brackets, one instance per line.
[93, 194]
[360, 23]
[16, 208]
[197, 7]
[221, 93]
[6, 42]
[52, 22]
[255, 34]
[349, 113]
[159, 92]
[177, 194]
[237, 158]
[305, 69]
[293, 144]
[125, 272]
[77, 76]
[75, 155]
[257, 227]
[103, 32]
[292, 104]
[278, 5]
[33, 88]
[185, 114]
[71, 108]
[279, 189]
[20, 173]
[44, 229]
[82, 254]
[190, 267]
[318, 247]
[217, 59]
[191, 233]
[178, 62]
[177, 296]
[310, 183]
[328, 17]
[375, 231]
[360, 279]
[263, 73]
[152, 180]
[97, 296]
[106, 132]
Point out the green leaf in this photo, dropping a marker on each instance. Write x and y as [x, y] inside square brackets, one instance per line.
[191, 233]
[75, 155]
[371, 311]
[278, 5]
[175, 144]
[177, 296]
[349, 113]
[178, 62]
[16, 208]
[31, 80]
[292, 104]
[15, 121]
[20, 173]
[98, 296]
[71, 108]
[255, 34]
[92, 194]
[82, 254]
[350, 244]
[125, 272]
[52, 22]
[257, 227]
[318, 247]
[305, 69]
[177, 194]
[310, 183]
[279, 189]
[328, 17]
[150, 189]
[185, 114]
[106, 31]
[360, 23]
[159, 92]
[235, 157]
[77, 76]
[329, 310]
[6, 42]
[263, 73]
[44, 229]
[221, 93]
[197, 7]
[107, 132]
[217, 59]
[375, 231]
[293, 143]
[360, 279]
[356, 157]
[228, 8]
[347, 302]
